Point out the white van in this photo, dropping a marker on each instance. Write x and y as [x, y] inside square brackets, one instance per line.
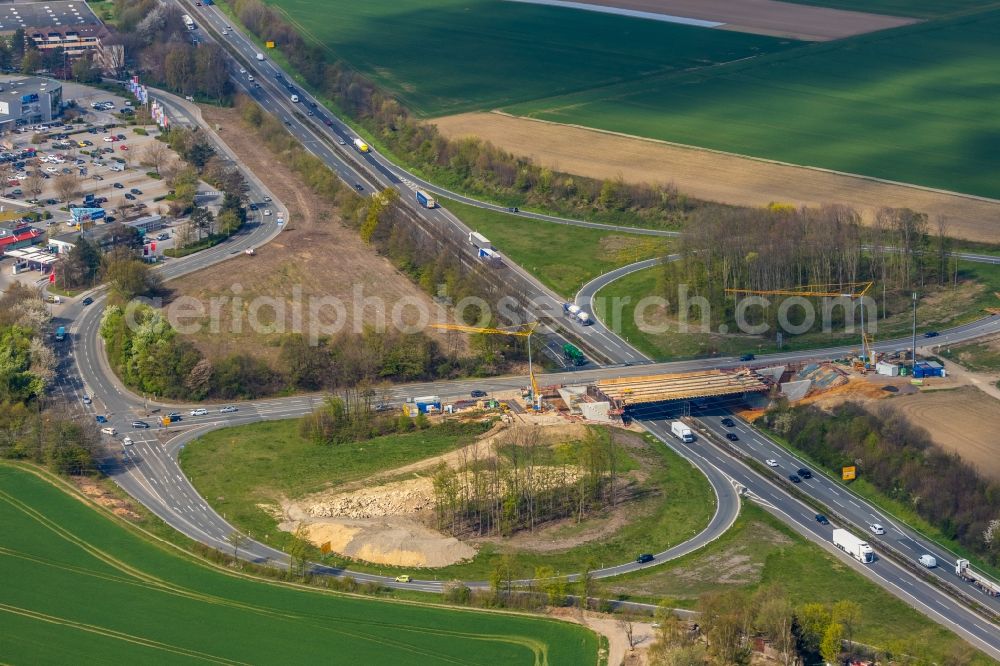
[295, 98]
[109, 431]
[928, 561]
[260, 56]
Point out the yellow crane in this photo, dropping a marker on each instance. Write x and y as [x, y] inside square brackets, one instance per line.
[852, 290]
[522, 331]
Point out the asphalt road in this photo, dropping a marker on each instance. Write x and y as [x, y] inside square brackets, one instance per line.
[148, 470]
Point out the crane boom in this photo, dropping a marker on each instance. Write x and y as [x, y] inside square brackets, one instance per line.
[522, 331]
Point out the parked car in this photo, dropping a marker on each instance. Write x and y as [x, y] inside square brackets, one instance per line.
[100, 418]
[645, 557]
[109, 431]
[118, 186]
[127, 441]
[135, 190]
[129, 196]
[87, 400]
[747, 357]
[162, 237]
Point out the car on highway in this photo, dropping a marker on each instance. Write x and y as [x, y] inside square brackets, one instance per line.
[140, 424]
[109, 431]
[478, 393]
[229, 410]
[201, 411]
[359, 187]
[328, 122]
[87, 301]
[805, 473]
[731, 436]
[928, 560]
[931, 334]
[341, 142]
[770, 462]
[404, 578]
[127, 441]
[821, 519]
[645, 557]
[747, 357]
[728, 422]
[794, 478]
[876, 528]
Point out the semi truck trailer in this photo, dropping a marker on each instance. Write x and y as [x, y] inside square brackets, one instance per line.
[361, 146]
[681, 431]
[965, 572]
[425, 200]
[853, 546]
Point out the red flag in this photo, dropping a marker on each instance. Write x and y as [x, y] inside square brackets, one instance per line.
[52, 278]
[152, 246]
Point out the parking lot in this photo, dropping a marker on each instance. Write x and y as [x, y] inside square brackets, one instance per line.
[106, 164]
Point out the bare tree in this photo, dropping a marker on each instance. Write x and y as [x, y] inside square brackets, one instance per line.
[6, 173]
[156, 155]
[67, 186]
[34, 183]
[625, 624]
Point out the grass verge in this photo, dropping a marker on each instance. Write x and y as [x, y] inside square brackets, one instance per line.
[760, 550]
[563, 257]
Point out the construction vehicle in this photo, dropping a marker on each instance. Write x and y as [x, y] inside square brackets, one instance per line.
[574, 355]
[852, 290]
[427, 404]
[522, 331]
[853, 546]
[681, 431]
[965, 572]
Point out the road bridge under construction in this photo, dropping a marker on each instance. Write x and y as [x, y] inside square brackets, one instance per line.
[624, 392]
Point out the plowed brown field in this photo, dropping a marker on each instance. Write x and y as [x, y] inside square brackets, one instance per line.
[716, 176]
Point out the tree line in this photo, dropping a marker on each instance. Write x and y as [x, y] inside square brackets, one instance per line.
[902, 461]
[781, 247]
[472, 165]
[32, 427]
[522, 483]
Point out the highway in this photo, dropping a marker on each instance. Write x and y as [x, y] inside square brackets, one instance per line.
[148, 470]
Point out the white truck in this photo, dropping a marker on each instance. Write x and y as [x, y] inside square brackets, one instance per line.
[963, 571]
[361, 146]
[260, 56]
[681, 431]
[853, 546]
[480, 241]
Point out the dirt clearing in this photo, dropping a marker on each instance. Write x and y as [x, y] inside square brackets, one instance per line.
[964, 421]
[315, 258]
[717, 176]
[760, 17]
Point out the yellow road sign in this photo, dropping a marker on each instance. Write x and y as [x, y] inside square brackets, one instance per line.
[849, 473]
[269, 45]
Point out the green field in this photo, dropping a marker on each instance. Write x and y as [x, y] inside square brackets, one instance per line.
[583, 253]
[237, 468]
[944, 308]
[760, 551]
[445, 56]
[80, 587]
[915, 104]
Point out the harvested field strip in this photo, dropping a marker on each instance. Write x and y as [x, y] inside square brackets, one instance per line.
[51, 613]
[715, 176]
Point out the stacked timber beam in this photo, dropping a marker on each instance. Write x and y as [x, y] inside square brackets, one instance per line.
[683, 386]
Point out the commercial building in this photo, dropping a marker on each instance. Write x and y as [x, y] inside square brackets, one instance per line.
[32, 16]
[75, 41]
[29, 100]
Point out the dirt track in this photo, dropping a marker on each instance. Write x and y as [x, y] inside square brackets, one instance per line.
[764, 17]
[715, 176]
[964, 421]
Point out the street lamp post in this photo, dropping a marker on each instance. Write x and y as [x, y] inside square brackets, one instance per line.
[913, 350]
